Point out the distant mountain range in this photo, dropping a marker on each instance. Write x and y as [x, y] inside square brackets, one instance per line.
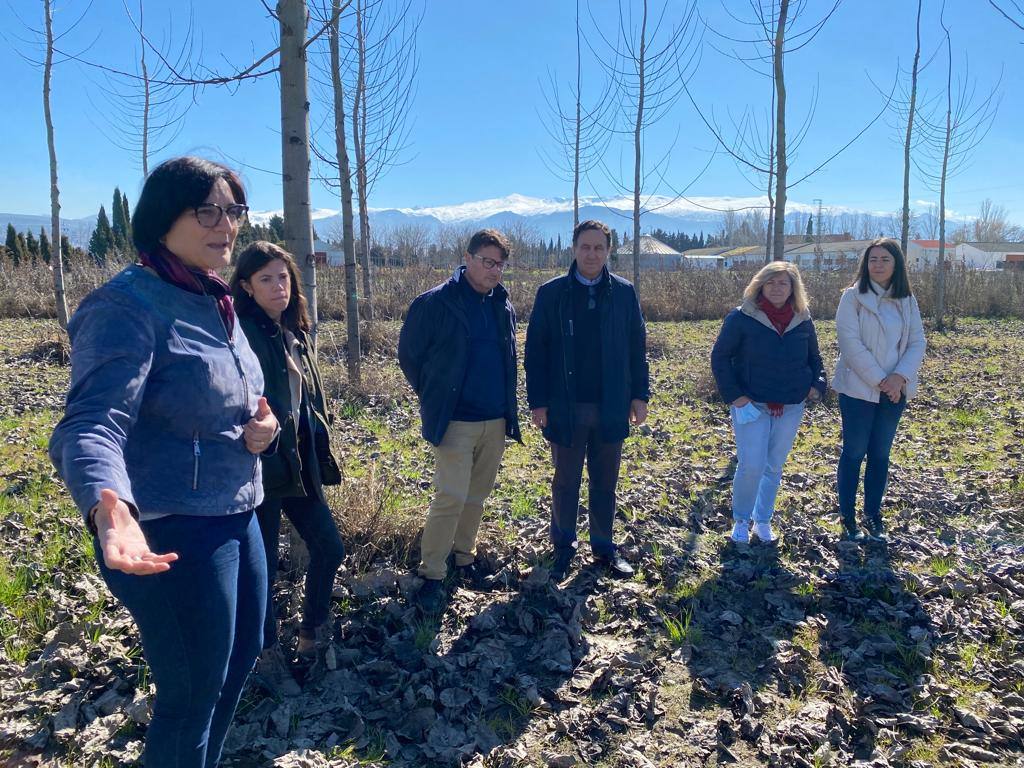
[545, 217]
[549, 217]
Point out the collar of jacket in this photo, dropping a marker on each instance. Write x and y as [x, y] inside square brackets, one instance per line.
[606, 279]
[749, 307]
[270, 326]
[497, 291]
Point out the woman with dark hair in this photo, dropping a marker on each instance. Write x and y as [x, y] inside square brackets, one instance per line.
[273, 314]
[767, 365]
[159, 446]
[881, 348]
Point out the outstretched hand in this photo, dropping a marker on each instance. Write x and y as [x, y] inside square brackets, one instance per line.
[122, 541]
[261, 428]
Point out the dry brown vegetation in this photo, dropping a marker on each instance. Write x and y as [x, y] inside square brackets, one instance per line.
[26, 291]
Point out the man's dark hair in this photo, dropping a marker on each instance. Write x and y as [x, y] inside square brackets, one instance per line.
[174, 187]
[600, 226]
[252, 260]
[486, 237]
[899, 288]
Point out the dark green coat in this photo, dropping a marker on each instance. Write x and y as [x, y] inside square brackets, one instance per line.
[282, 471]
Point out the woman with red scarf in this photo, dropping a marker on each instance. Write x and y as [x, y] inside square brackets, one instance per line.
[767, 365]
[159, 446]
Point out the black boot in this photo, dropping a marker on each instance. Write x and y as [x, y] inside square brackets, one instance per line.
[876, 531]
[851, 532]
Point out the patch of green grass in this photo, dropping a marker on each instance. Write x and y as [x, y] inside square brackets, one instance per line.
[682, 630]
[941, 566]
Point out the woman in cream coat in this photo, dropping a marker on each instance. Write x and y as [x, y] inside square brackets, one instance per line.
[881, 347]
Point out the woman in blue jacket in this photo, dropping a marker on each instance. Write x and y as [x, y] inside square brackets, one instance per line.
[159, 446]
[766, 364]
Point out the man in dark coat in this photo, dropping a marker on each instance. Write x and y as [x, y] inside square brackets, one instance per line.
[457, 349]
[586, 380]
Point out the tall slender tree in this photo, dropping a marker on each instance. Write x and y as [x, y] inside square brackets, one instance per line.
[345, 182]
[295, 155]
[60, 299]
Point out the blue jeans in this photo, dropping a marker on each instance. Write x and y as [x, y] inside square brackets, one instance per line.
[762, 446]
[201, 624]
[868, 431]
[314, 523]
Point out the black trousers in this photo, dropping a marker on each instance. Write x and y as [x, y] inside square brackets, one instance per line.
[603, 461]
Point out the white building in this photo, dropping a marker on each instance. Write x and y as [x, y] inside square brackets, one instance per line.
[990, 255]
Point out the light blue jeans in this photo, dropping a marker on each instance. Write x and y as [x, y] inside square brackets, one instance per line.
[762, 446]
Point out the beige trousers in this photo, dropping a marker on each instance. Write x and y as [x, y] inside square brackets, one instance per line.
[466, 463]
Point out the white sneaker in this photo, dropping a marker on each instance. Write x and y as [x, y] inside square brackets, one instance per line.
[764, 532]
[740, 533]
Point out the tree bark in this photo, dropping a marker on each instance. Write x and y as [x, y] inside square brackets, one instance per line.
[576, 155]
[56, 256]
[779, 245]
[345, 179]
[145, 97]
[359, 141]
[298, 219]
[637, 165]
[905, 227]
[940, 277]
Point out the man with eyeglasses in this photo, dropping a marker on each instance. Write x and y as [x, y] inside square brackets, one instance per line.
[586, 382]
[457, 349]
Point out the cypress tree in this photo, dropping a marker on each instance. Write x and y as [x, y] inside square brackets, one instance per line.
[44, 245]
[276, 225]
[31, 246]
[118, 226]
[809, 235]
[127, 222]
[12, 244]
[66, 251]
[21, 250]
[102, 239]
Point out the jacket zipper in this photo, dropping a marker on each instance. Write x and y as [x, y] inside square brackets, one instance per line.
[195, 461]
[245, 390]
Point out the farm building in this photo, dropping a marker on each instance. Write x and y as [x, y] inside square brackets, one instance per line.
[705, 258]
[654, 255]
[991, 255]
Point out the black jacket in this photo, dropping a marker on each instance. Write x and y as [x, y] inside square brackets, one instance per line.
[550, 364]
[282, 471]
[433, 348]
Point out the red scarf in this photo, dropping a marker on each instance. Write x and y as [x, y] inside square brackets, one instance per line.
[172, 270]
[780, 318]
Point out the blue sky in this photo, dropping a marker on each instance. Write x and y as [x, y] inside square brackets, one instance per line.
[475, 122]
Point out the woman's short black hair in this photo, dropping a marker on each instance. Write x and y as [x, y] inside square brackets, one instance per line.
[172, 188]
[899, 288]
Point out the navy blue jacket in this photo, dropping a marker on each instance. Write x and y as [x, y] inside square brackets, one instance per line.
[751, 359]
[158, 400]
[433, 348]
[550, 357]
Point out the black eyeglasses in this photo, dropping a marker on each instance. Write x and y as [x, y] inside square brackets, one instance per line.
[209, 214]
[491, 263]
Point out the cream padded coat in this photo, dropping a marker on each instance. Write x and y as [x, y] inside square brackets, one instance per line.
[862, 343]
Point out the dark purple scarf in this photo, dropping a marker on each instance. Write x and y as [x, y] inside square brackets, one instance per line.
[171, 270]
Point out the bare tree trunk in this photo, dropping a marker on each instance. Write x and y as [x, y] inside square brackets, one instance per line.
[56, 257]
[359, 140]
[298, 219]
[905, 228]
[637, 165]
[145, 98]
[940, 277]
[779, 247]
[770, 224]
[576, 156]
[345, 178]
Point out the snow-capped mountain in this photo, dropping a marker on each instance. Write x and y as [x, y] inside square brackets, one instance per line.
[551, 217]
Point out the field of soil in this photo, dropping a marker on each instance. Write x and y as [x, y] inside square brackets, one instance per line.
[812, 653]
